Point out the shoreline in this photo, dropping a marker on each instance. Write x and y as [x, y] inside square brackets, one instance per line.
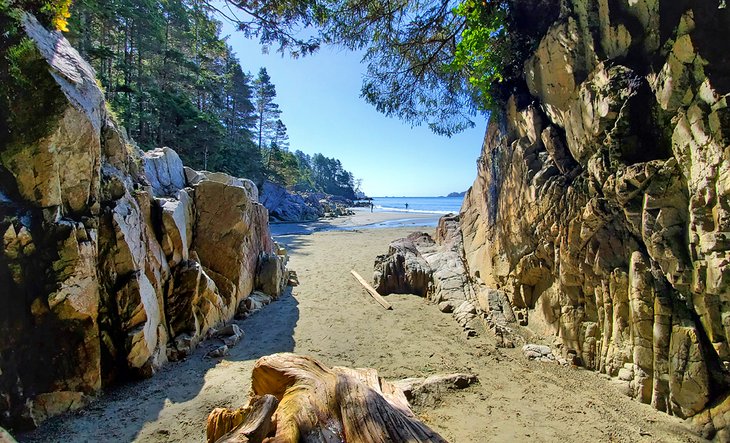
[331, 317]
[362, 219]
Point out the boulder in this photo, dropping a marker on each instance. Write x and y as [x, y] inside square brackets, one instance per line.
[177, 226]
[138, 266]
[230, 234]
[271, 275]
[194, 307]
[402, 270]
[436, 270]
[194, 177]
[219, 352]
[428, 391]
[252, 304]
[537, 352]
[164, 171]
[230, 334]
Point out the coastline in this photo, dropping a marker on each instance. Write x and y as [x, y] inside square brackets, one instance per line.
[362, 219]
[331, 317]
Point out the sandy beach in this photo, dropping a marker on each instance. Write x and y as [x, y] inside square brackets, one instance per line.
[363, 219]
[330, 317]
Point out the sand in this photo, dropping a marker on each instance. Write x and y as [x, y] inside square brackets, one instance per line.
[330, 317]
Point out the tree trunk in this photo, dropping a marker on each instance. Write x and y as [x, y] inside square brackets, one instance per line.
[317, 404]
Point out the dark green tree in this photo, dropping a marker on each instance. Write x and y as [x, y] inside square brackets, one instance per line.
[266, 110]
[280, 138]
[171, 79]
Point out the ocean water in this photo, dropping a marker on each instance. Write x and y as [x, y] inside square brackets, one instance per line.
[428, 205]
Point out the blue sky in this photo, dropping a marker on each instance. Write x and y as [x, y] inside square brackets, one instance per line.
[321, 107]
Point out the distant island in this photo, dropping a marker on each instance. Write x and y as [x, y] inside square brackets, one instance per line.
[457, 194]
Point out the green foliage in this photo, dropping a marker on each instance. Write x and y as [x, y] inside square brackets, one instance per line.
[437, 62]
[171, 79]
[482, 52]
[265, 109]
[330, 177]
[28, 104]
[58, 12]
[52, 13]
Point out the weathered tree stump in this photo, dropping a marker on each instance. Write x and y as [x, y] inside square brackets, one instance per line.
[250, 423]
[318, 404]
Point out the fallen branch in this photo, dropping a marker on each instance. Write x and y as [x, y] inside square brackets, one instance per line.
[372, 291]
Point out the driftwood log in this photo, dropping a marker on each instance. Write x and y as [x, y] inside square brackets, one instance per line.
[378, 298]
[317, 404]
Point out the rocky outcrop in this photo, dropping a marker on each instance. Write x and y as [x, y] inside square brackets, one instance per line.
[112, 261]
[289, 207]
[600, 208]
[403, 270]
[436, 269]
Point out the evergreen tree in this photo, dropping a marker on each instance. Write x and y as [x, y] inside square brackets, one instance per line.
[267, 112]
[173, 81]
[280, 138]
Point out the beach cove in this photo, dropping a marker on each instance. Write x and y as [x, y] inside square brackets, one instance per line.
[330, 317]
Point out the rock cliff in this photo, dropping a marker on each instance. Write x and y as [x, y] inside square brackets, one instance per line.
[601, 203]
[112, 261]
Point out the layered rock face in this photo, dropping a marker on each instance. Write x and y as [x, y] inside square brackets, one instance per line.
[601, 203]
[112, 262]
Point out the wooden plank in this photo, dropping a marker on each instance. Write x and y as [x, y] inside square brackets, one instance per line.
[378, 298]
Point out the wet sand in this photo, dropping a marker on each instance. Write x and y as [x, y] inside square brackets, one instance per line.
[363, 219]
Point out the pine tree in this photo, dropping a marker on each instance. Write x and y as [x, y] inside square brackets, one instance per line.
[267, 112]
[172, 80]
[280, 138]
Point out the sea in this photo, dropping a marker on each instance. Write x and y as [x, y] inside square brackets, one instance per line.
[422, 212]
[427, 205]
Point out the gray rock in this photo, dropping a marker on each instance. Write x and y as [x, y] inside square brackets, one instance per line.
[218, 352]
[271, 276]
[428, 391]
[289, 207]
[402, 270]
[625, 374]
[533, 351]
[230, 334]
[164, 171]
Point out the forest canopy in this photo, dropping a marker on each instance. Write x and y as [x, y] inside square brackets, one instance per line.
[171, 79]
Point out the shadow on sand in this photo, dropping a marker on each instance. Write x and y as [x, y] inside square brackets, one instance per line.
[123, 411]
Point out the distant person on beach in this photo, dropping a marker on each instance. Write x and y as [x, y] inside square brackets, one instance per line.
[406, 206]
[371, 206]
